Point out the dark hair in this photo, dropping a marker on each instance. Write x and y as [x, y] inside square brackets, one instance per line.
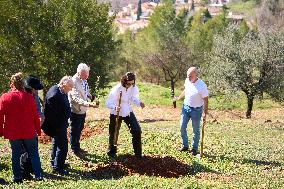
[28, 90]
[129, 76]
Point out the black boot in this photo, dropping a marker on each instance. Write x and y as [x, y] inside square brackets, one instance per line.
[112, 151]
[137, 144]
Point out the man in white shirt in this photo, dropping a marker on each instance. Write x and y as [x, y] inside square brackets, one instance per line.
[194, 107]
[79, 103]
[130, 94]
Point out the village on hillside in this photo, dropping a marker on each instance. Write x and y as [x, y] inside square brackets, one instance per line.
[127, 18]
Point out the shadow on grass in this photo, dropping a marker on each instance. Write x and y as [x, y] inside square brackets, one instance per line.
[92, 158]
[245, 160]
[3, 182]
[152, 120]
[4, 166]
[52, 176]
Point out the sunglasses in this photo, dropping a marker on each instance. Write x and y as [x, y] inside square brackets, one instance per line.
[129, 84]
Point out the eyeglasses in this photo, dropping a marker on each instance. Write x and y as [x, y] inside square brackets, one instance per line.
[129, 84]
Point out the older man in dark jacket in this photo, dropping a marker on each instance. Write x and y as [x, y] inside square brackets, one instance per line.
[57, 112]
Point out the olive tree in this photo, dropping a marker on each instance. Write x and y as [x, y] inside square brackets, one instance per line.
[162, 44]
[253, 64]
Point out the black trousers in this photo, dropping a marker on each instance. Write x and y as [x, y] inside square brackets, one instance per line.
[135, 131]
[59, 148]
[77, 125]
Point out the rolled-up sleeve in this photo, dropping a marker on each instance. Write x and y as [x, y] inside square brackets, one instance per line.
[112, 98]
[74, 96]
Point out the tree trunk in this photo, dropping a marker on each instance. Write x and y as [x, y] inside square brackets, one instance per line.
[250, 98]
[173, 92]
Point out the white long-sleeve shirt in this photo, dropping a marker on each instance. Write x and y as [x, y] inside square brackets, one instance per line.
[129, 97]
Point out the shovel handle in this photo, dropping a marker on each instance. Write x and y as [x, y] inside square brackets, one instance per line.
[202, 138]
[117, 126]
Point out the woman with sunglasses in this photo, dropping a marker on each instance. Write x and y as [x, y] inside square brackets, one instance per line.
[120, 99]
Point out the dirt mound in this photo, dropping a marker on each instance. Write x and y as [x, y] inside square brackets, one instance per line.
[150, 165]
[88, 131]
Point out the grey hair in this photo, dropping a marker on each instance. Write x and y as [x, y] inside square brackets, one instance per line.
[83, 66]
[66, 79]
[193, 69]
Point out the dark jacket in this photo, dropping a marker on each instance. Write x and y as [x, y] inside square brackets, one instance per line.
[57, 111]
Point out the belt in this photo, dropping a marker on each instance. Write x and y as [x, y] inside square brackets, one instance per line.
[193, 107]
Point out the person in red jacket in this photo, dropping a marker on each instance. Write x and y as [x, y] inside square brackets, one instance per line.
[19, 122]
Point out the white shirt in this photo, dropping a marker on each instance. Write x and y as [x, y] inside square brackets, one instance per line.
[194, 93]
[129, 96]
[86, 88]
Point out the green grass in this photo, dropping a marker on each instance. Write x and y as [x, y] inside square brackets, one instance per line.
[243, 7]
[238, 154]
[150, 94]
[239, 101]
[156, 95]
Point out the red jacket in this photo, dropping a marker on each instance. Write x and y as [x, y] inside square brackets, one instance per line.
[18, 116]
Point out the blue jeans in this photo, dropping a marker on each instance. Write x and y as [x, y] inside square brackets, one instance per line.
[59, 148]
[195, 115]
[31, 146]
[77, 125]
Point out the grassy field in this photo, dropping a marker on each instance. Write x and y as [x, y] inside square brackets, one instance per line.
[246, 7]
[239, 153]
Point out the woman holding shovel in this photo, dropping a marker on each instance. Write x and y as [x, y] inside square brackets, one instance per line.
[120, 99]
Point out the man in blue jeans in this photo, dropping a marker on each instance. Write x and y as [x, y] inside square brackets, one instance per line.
[194, 107]
[57, 111]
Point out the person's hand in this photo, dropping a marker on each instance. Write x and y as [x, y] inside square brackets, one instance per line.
[142, 105]
[117, 108]
[93, 105]
[204, 117]
[175, 98]
[39, 132]
[41, 119]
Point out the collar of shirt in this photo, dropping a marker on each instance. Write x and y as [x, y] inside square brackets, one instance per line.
[62, 92]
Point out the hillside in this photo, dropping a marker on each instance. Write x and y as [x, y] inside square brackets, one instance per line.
[239, 153]
[118, 4]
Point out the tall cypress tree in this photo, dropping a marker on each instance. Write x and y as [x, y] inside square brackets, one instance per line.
[139, 10]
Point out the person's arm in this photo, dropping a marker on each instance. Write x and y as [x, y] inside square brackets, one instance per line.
[51, 109]
[205, 99]
[135, 98]
[180, 96]
[74, 96]
[35, 116]
[1, 117]
[112, 98]
[205, 110]
[38, 106]
[204, 95]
